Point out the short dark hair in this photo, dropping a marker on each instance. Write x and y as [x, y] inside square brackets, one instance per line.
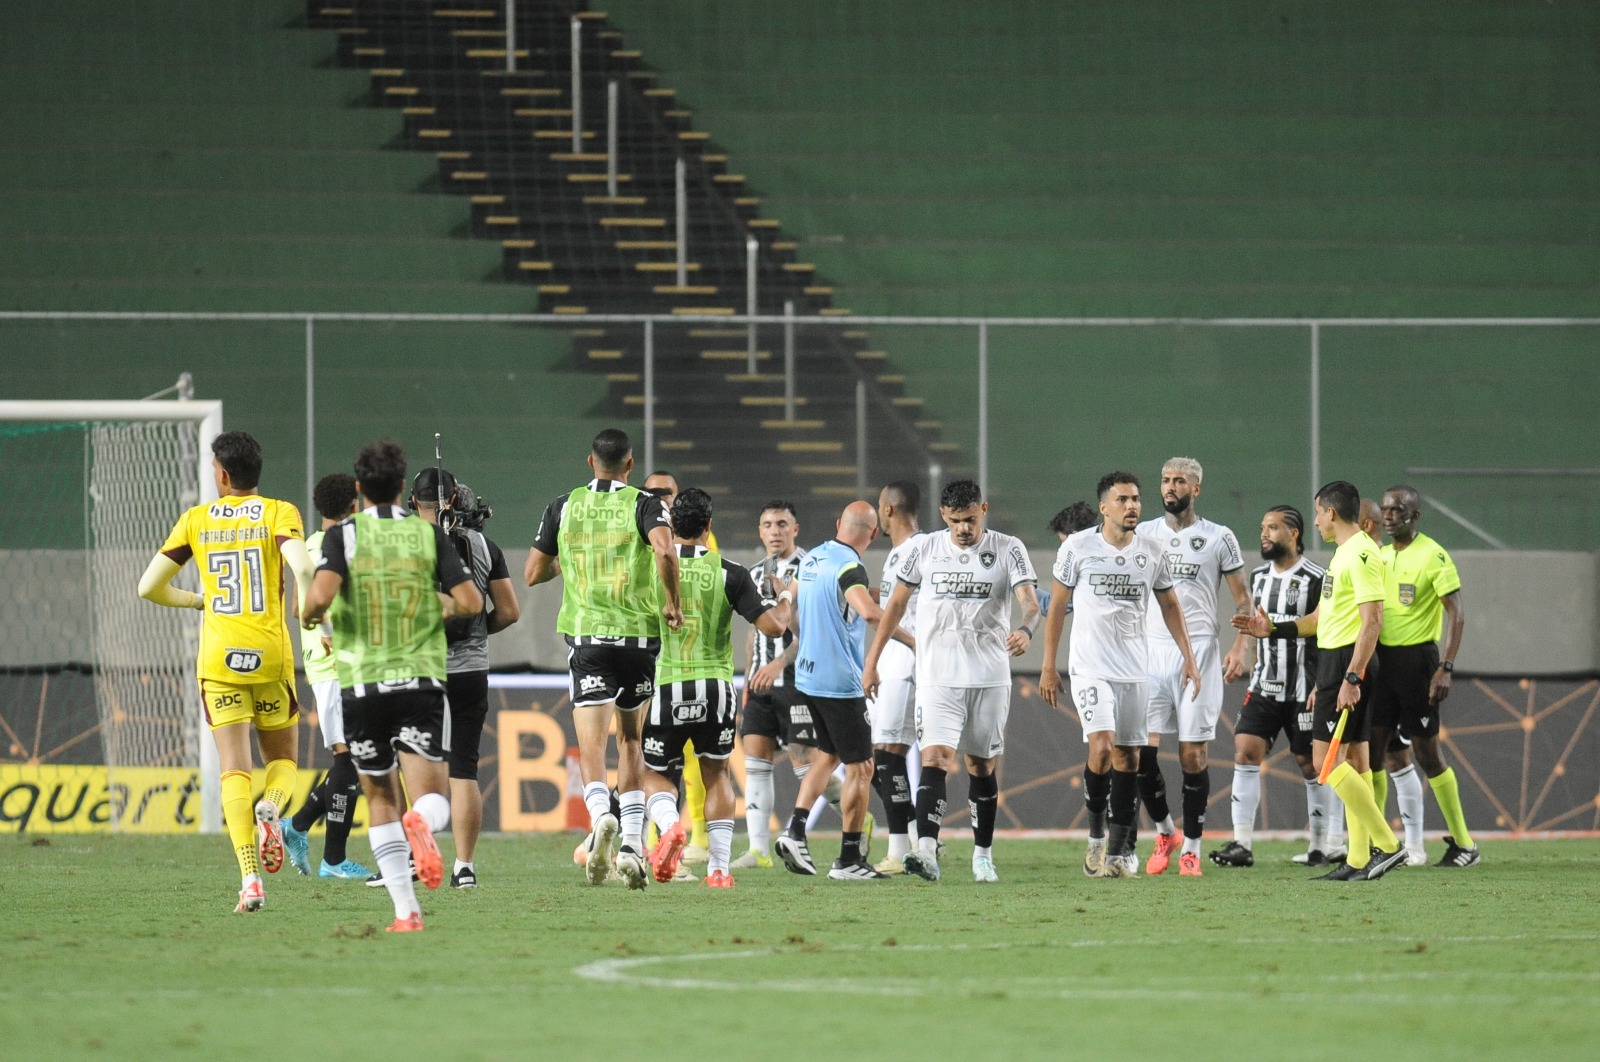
[334, 494]
[1074, 518]
[381, 471]
[960, 494]
[611, 449]
[691, 513]
[1412, 494]
[240, 457]
[907, 495]
[779, 505]
[1342, 497]
[1111, 479]
[1294, 519]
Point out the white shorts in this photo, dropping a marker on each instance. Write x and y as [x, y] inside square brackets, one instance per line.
[1118, 708]
[330, 712]
[894, 710]
[1173, 708]
[969, 719]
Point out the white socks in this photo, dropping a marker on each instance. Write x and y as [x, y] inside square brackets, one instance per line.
[721, 833]
[597, 798]
[393, 855]
[663, 811]
[899, 845]
[1333, 813]
[633, 819]
[1246, 800]
[1407, 785]
[435, 811]
[759, 796]
[1316, 816]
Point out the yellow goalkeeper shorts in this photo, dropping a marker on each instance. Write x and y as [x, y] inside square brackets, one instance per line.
[268, 705]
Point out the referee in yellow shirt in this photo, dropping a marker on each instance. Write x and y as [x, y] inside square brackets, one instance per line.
[1346, 622]
[1422, 594]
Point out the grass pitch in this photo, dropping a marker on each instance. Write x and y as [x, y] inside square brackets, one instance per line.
[128, 948]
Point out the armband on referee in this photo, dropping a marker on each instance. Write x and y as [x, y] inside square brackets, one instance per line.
[1285, 629]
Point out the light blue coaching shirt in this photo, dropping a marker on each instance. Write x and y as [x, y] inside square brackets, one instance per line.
[833, 638]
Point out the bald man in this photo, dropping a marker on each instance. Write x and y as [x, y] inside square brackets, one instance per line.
[834, 603]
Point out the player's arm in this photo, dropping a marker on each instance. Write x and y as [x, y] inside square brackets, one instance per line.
[768, 673]
[894, 610]
[1361, 654]
[459, 596]
[542, 564]
[667, 571]
[1241, 656]
[860, 598]
[746, 599]
[1017, 641]
[505, 609]
[298, 560]
[1055, 621]
[156, 585]
[1455, 625]
[1172, 616]
[1259, 625]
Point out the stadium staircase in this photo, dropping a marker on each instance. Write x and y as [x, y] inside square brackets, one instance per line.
[503, 142]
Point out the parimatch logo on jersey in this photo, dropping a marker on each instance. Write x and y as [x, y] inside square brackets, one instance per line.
[961, 584]
[1117, 585]
[1181, 570]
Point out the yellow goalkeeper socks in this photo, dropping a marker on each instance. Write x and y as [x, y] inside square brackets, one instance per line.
[240, 817]
[1448, 794]
[281, 778]
[1380, 789]
[1367, 824]
[694, 795]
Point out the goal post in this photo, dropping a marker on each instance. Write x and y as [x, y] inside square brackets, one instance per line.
[143, 464]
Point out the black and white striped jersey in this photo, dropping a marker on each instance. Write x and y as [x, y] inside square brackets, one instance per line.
[769, 649]
[1286, 667]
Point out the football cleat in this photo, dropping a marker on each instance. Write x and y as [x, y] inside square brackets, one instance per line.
[251, 898]
[297, 846]
[1166, 844]
[602, 848]
[1316, 857]
[424, 850]
[376, 881]
[1416, 857]
[719, 879]
[1382, 862]
[1119, 866]
[1232, 854]
[580, 854]
[683, 875]
[795, 853]
[1189, 865]
[890, 865]
[1457, 856]
[412, 923]
[983, 869]
[922, 865]
[1094, 857]
[349, 870]
[752, 860]
[632, 866]
[1342, 872]
[465, 878]
[269, 836]
[860, 870]
[668, 852]
[696, 854]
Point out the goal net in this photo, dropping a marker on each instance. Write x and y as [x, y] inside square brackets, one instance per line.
[90, 490]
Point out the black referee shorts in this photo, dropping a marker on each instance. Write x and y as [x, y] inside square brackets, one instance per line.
[1332, 666]
[1400, 698]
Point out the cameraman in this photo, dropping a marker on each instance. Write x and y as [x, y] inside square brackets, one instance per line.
[467, 666]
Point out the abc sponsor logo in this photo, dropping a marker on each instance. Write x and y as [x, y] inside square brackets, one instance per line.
[654, 746]
[416, 737]
[591, 684]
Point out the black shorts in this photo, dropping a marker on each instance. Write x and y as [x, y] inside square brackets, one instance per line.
[772, 715]
[468, 693]
[1400, 698]
[1265, 717]
[842, 726]
[701, 711]
[601, 674]
[1332, 666]
[408, 720]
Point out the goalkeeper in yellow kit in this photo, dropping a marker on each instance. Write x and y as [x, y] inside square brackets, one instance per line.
[240, 544]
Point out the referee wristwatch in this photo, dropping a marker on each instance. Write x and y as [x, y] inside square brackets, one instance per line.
[1352, 678]
[1447, 665]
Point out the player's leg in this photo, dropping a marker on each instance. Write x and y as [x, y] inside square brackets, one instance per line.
[1197, 713]
[850, 733]
[1094, 701]
[719, 818]
[296, 829]
[694, 804]
[1130, 711]
[423, 744]
[371, 724]
[277, 723]
[983, 741]
[662, 744]
[631, 672]
[792, 846]
[1166, 668]
[802, 740]
[1250, 750]
[1406, 780]
[231, 722]
[941, 713]
[1322, 804]
[894, 729]
[1374, 849]
[593, 694]
[759, 741]
[468, 695]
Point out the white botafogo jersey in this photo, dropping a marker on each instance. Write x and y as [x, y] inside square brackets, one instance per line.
[897, 557]
[964, 606]
[1112, 590]
[1197, 558]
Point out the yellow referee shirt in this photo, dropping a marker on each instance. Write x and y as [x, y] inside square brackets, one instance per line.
[1416, 581]
[235, 545]
[1354, 577]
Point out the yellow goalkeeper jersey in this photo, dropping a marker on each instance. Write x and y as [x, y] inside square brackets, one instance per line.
[234, 543]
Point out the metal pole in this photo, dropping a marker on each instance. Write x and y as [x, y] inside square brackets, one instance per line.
[861, 437]
[1316, 407]
[577, 86]
[611, 140]
[311, 406]
[683, 223]
[751, 248]
[511, 36]
[983, 408]
[649, 395]
[935, 473]
[210, 762]
[788, 359]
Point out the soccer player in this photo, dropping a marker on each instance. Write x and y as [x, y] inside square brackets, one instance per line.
[335, 797]
[1200, 554]
[619, 584]
[379, 585]
[1422, 590]
[1346, 622]
[467, 658]
[1287, 587]
[891, 704]
[966, 577]
[245, 664]
[1120, 571]
[833, 609]
[1068, 521]
[692, 713]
